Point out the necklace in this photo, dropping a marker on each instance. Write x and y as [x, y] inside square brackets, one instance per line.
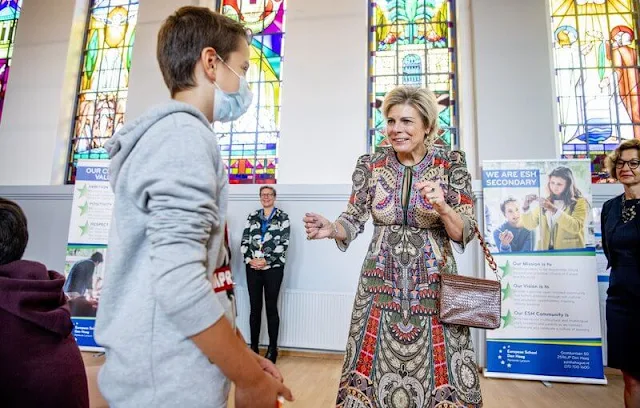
[628, 213]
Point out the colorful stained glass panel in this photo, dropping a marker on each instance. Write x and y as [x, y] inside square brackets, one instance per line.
[102, 93]
[249, 145]
[9, 15]
[412, 42]
[595, 47]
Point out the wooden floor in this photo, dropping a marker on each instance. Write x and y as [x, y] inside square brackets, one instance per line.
[314, 383]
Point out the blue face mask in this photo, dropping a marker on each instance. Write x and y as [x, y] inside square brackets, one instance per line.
[229, 106]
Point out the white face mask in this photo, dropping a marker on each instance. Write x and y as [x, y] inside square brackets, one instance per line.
[229, 106]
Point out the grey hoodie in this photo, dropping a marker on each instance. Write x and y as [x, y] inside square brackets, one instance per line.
[166, 236]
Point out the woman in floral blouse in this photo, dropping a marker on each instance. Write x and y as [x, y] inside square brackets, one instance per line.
[264, 246]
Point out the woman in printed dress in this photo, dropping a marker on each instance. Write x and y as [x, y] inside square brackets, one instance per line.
[399, 354]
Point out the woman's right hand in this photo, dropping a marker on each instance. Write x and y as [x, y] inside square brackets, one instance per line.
[317, 226]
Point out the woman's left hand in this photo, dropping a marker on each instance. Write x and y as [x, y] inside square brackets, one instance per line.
[433, 194]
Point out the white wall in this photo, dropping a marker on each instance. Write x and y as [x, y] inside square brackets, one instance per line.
[320, 281]
[324, 97]
[505, 86]
[513, 80]
[146, 86]
[44, 69]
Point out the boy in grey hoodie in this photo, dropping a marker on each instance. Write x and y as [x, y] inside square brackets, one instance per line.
[168, 336]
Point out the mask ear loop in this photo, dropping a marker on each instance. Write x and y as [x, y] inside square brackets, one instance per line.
[227, 65]
[215, 68]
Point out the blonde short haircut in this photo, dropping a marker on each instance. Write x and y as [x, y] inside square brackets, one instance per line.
[421, 99]
[612, 158]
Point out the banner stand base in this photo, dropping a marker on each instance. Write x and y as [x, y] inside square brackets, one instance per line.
[97, 350]
[543, 378]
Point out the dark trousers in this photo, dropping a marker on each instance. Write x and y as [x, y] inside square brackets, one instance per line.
[267, 282]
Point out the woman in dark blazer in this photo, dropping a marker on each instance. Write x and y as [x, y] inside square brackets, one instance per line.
[621, 245]
[264, 246]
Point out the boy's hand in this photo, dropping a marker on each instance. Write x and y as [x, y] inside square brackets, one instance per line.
[269, 368]
[261, 394]
[266, 365]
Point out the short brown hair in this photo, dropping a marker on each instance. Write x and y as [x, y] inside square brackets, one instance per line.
[422, 99]
[184, 35]
[503, 205]
[13, 232]
[612, 158]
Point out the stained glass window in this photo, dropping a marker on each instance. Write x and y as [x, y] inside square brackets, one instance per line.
[102, 91]
[249, 145]
[412, 42]
[9, 14]
[597, 73]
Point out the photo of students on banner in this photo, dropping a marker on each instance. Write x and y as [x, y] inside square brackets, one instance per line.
[537, 206]
[512, 236]
[83, 272]
[561, 215]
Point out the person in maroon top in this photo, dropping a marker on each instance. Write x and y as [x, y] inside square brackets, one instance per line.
[40, 363]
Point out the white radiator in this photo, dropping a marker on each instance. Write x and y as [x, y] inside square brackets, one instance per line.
[308, 320]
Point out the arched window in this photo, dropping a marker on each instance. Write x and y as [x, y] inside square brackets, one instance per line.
[412, 42]
[249, 145]
[104, 80]
[595, 51]
[9, 15]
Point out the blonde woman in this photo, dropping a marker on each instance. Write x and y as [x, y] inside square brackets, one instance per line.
[620, 242]
[419, 195]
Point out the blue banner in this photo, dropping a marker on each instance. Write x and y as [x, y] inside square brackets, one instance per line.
[92, 173]
[86, 257]
[83, 332]
[521, 178]
[546, 253]
[565, 358]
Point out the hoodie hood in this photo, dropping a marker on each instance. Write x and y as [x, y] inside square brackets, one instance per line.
[31, 292]
[125, 140]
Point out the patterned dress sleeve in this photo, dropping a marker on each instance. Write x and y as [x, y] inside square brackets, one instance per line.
[460, 196]
[359, 207]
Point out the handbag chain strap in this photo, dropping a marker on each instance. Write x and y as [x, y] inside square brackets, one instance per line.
[485, 249]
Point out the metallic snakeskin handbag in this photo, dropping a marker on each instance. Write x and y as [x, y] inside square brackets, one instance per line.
[469, 301]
